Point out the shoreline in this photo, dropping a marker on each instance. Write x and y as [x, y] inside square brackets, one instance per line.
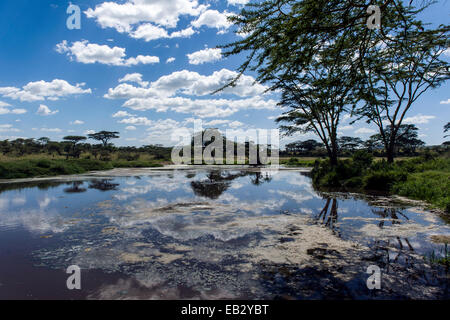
[125, 172]
[390, 200]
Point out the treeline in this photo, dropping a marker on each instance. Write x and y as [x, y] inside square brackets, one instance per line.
[407, 145]
[76, 147]
[326, 62]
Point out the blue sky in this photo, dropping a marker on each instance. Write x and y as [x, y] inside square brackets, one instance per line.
[145, 68]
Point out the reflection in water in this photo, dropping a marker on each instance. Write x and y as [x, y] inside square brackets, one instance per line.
[103, 185]
[219, 181]
[216, 184]
[76, 188]
[329, 219]
[216, 234]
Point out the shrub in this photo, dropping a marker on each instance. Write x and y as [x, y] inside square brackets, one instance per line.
[383, 180]
[128, 156]
[362, 159]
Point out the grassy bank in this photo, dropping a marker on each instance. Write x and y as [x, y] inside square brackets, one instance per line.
[48, 167]
[298, 162]
[421, 178]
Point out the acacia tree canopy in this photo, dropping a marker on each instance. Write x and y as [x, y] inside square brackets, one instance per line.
[324, 60]
[104, 136]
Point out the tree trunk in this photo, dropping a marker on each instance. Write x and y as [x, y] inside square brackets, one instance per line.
[390, 154]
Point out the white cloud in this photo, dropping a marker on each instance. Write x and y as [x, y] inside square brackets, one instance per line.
[8, 128]
[4, 104]
[189, 83]
[130, 128]
[213, 19]
[77, 122]
[365, 131]
[445, 102]
[89, 132]
[220, 122]
[88, 53]
[447, 52]
[124, 16]
[122, 114]
[204, 56]
[170, 60]
[204, 108]
[134, 77]
[419, 119]
[41, 90]
[147, 19]
[43, 110]
[51, 130]
[160, 95]
[238, 2]
[6, 110]
[150, 32]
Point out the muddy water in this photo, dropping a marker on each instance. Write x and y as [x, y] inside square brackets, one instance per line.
[210, 234]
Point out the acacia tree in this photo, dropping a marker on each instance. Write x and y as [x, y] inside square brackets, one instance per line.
[349, 143]
[399, 69]
[407, 138]
[285, 38]
[305, 50]
[73, 140]
[446, 129]
[104, 136]
[317, 98]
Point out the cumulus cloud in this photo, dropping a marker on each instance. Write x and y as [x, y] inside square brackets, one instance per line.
[204, 108]
[89, 53]
[43, 110]
[122, 114]
[124, 16]
[8, 128]
[419, 119]
[77, 122]
[55, 130]
[445, 102]
[189, 83]
[204, 56]
[365, 131]
[161, 95]
[134, 77]
[447, 52]
[213, 19]
[130, 128]
[147, 19]
[42, 90]
[149, 32]
[170, 60]
[221, 122]
[4, 109]
[238, 2]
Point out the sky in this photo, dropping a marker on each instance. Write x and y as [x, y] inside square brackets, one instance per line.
[147, 69]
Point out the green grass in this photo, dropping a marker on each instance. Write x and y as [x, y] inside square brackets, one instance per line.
[443, 258]
[431, 186]
[418, 178]
[49, 167]
[297, 162]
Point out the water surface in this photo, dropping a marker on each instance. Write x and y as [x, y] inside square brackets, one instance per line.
[212, 234]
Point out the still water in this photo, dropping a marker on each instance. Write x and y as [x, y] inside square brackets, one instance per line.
[213, 234]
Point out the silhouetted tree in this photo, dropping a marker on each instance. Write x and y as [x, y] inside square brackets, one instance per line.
[104, 136]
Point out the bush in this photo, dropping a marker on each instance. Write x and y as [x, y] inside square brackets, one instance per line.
[431, 186]
[362, 159]
[383, 180]
[416, 178]
[128, 156]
